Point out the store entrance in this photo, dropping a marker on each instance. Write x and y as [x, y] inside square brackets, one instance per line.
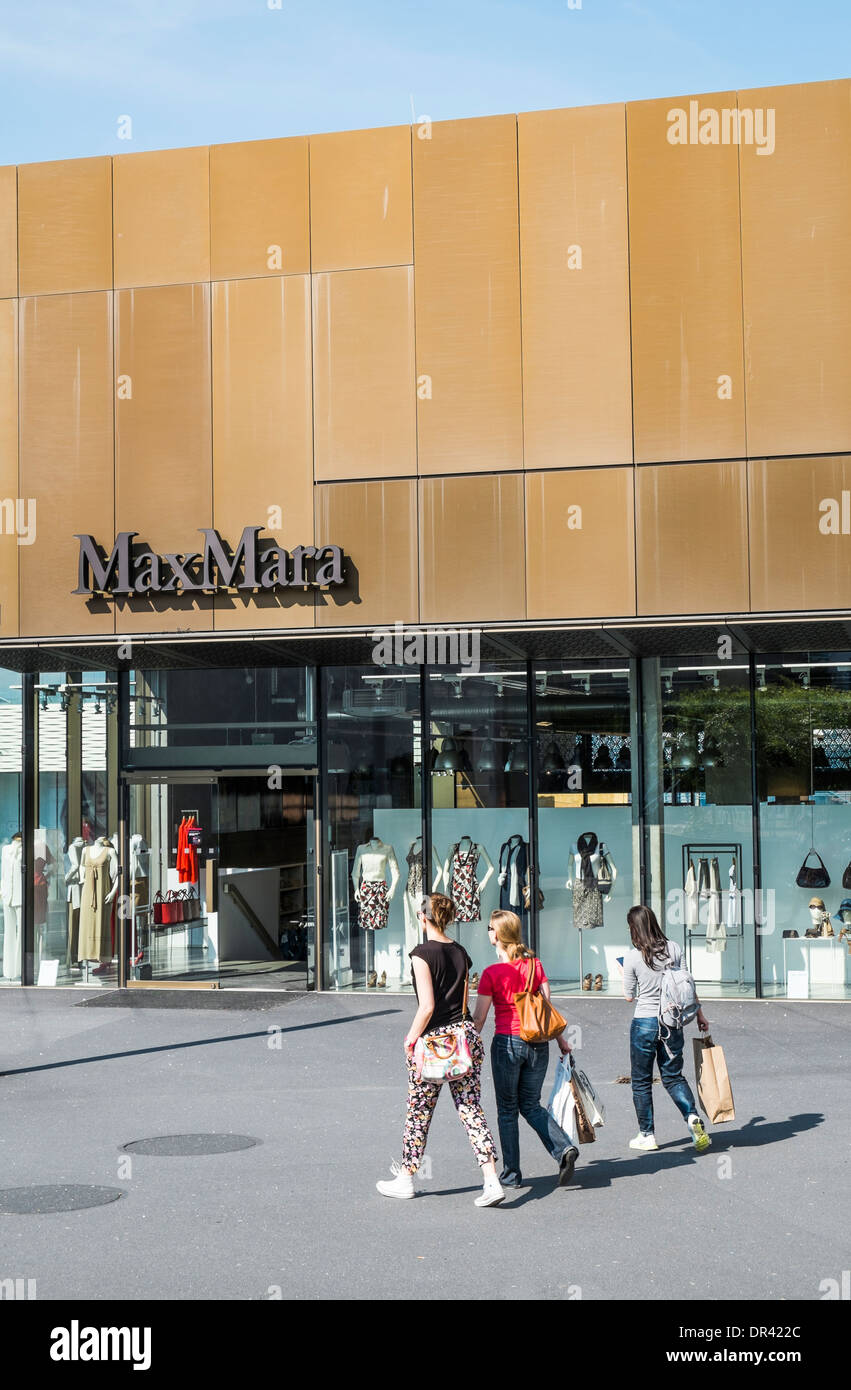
[221, 879]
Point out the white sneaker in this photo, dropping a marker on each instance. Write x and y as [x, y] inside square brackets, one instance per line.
[401, 1186]
[643, 1141]
[491, 1195]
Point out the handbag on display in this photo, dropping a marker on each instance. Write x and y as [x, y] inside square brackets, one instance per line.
[788, 935]
[527, 897]
[539, 1020]
[604, 877]
[812, 877]
[159, 909]
[846, 877]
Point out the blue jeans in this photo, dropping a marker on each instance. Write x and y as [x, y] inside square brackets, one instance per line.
[519, 1070]
[645, 1047]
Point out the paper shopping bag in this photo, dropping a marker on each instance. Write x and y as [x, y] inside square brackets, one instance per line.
[584, 1128]
[713, 1081]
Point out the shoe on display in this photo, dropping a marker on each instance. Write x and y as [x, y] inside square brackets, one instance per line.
[566, 1166]
[474, 980]
[699, 1136]
[586, 981]
[598, 982]
[491, 1195]
[644, 1141]
[401, 1185]
[382, 980]
[371, 980]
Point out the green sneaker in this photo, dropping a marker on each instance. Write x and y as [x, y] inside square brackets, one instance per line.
[699, 1136]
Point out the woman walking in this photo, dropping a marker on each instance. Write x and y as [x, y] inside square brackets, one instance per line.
[643, 968]
[519, 1067]
[441, 969]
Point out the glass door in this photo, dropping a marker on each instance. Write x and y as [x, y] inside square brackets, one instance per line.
[220, 879]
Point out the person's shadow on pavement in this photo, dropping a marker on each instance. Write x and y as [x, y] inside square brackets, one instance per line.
[755, 1133]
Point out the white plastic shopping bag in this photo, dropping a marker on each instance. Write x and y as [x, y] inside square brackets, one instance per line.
[562, 1105]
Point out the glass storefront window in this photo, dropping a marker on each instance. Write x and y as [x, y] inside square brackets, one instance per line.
[698, 815]
[478, 753]
[225, 718]
[584, 769]
[76, 882]
[803, 723]
[374, 877]
[11, 844]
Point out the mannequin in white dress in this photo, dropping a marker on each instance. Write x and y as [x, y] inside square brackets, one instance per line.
[73, 883]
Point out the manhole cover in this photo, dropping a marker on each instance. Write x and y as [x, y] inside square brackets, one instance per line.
[179, 1145]
[20, 1201]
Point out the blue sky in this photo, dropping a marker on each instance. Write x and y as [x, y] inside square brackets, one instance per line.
[196, 72]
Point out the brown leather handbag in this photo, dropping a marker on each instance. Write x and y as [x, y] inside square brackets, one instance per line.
[539, 1020]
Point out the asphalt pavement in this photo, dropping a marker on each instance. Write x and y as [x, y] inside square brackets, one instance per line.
[319, 1081]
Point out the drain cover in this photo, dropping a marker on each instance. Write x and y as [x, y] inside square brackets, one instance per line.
[21, 1201]
[180, 1145]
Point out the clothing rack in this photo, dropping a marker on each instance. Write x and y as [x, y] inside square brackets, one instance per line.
[699, 850]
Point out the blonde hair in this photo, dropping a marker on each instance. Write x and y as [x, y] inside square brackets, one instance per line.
[509, 934]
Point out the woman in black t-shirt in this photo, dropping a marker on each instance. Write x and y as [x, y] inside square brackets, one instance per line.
[440, 969]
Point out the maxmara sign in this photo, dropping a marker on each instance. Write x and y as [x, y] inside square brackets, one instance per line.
[255, 563]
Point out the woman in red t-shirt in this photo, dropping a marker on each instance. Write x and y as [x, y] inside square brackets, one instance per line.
[519, 1067]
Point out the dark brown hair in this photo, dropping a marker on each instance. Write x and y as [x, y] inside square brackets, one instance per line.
[647, 935]
[439, 910]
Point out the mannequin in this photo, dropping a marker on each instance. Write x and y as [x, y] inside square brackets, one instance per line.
[590, 859]
[98, 891]
[11, 893]
[73, 883]
[414, 890]
[462, 883]
[139, 855]
[514, 876]
[373, 860]
[820, 918]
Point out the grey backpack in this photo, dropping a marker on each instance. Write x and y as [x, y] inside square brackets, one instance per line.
[678, 1002]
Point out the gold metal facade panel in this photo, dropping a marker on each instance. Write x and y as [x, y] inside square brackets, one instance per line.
[65, 226]
[163, 435]
[572, 519]
[262, 434]
[8, 231]
[376, 525]
[9, 486]
[365, 390]
[161, 217]
[67, 455]
[691, 538]
[481, 520]
[259, 209]
[360, 199]
[796, 270]
[574, 273]
[685, 279]
[800, 533]
[467, 288]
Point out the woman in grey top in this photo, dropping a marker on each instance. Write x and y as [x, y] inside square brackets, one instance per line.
[643, 968]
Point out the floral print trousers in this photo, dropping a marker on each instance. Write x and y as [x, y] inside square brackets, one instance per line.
[466, 1093]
